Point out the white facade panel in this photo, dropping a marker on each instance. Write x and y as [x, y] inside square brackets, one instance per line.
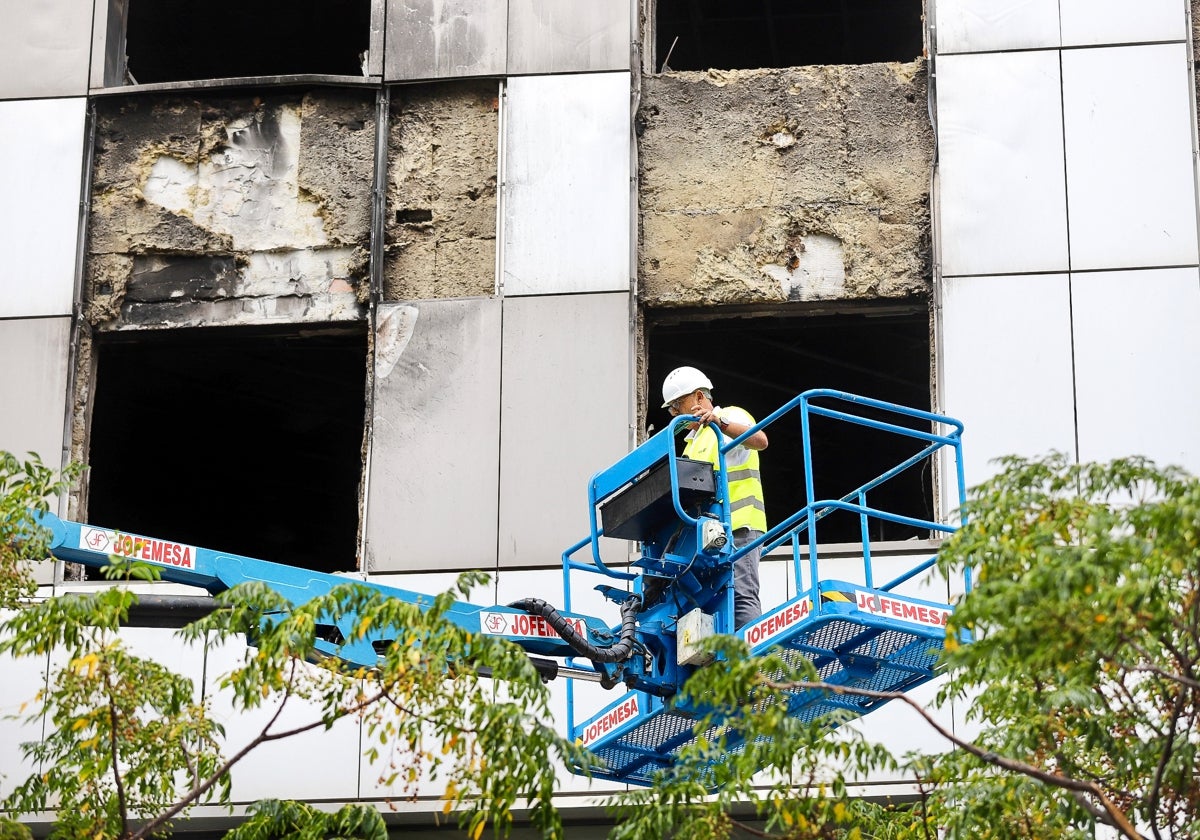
[1137, 357]
[1119, 22]
[317, 765]
[44, 48]
[1131, 187]
[432, 501]
[33, 376]
[566, 206]
[988, 25]
[565, 415]
[1006, 368]
[1002, 192]
[439, 39]
[23, 679]
[41, 172]
[565, 36]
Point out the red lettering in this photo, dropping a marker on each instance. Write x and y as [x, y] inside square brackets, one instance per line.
[610, 720]
[778, 622]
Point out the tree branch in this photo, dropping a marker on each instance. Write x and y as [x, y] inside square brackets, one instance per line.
[122, 804]
[1168, 749]
[1115, 814]
[263, 737]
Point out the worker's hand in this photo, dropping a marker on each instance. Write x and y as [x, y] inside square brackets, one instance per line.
[704, 415]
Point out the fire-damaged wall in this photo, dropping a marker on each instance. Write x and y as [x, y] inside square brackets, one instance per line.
[213, 211]
[441, 221]
[800, 184]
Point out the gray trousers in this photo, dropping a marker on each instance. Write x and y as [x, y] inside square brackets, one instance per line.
[746, 606]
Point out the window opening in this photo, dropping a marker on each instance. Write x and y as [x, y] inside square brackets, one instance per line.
[179, 40]
[247, 441]
[745, 34]
[761, 362]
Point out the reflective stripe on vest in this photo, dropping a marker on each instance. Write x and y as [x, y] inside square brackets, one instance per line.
[746, 508]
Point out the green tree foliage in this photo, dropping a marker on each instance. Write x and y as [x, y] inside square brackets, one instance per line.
[24, 486]
[129, 747]
[273, 819]
[1084, 674]
[123, 733]
[1082, 680]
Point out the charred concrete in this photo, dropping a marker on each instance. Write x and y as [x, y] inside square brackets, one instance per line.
[258, 203]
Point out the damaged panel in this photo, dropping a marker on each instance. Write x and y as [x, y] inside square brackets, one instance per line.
[432, 498]
[440, 224]
[565, 414]
[41, 172]
[565, 36]
[441, 39]
[108, 64]
[44, 48]
[230, 210]
[566, 178]
[808, 183]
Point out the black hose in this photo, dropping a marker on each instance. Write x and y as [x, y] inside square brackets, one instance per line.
[619, 652]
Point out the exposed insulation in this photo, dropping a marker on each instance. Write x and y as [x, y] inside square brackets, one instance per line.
[441, 216]
[806, 183]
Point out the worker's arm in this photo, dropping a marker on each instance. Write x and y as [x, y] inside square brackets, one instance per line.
[731, 425]
[733, 428]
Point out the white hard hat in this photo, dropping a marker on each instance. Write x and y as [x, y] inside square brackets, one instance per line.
[681, 381]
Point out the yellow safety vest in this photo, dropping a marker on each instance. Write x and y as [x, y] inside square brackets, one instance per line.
[745, 481]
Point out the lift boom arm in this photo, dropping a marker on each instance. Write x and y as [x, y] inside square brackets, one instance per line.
[677, 591]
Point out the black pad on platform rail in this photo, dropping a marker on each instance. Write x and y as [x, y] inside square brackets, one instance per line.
[641, 510]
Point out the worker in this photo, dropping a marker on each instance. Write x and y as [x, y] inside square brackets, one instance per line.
[687, 390]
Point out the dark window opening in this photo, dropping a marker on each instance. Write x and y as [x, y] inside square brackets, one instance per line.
[247, 441]
[745, 34]
[178, 40]
[760, 363]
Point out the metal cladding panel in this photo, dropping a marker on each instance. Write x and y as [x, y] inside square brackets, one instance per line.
[565, 36]
[33, 377]
[1003, 195]
[566, 217]
[41, 171]
[435, 447]
[24, 678]
[108, 44]
[378, 37]
[1119, 22]
[979, 25]
[565, 415]
[1006, 368]
[1136, 351]
[1131, 186]
[320, 764]
[44, 48]
[441, 39]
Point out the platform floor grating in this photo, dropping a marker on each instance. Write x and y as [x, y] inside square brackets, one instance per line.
[843, 652]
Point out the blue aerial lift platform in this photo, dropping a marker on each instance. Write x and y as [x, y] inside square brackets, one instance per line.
[678, 590]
